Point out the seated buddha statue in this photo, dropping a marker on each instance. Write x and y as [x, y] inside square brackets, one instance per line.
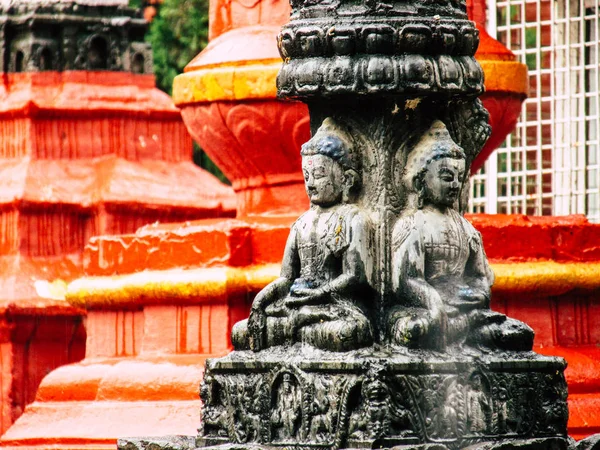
[322, 296]
[441, 276]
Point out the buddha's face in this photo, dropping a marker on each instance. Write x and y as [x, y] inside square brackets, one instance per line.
[324, 180]
[443, 181]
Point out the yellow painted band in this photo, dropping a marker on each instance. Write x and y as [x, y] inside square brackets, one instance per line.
[546, 277]
[505, 76]
[195, 286]
[235, 82]
[254, 80]
[166, 287]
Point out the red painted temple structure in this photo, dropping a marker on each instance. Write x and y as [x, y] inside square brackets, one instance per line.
[82, 152]
[162, 299]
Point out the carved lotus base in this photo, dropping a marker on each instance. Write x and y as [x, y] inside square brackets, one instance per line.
[377, 398]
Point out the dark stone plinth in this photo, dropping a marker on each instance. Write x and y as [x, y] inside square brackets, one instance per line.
[186, 442]
[156, 443]
[528, 444]
[378, 398]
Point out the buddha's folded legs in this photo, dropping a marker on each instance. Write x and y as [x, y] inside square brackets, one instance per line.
[415, 328]
[279, 331]
[328, 327]
[338, 326]
[239, 335]
[338, 335]
[511, 334]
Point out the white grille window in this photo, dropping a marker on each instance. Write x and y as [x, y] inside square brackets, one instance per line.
[550, 164]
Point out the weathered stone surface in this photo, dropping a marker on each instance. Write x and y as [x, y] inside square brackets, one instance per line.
[174, 443]
[377, 397]
[86, 37]
[590, 443]
[156, 443]
[526, 444]
[333, 49]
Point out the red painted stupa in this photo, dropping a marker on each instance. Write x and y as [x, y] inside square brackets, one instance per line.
[88, 146]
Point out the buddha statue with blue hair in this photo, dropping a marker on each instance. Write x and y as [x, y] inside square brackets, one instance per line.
[322, 298]
[441, 277]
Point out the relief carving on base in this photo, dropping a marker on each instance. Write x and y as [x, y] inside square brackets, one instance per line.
[333, 409]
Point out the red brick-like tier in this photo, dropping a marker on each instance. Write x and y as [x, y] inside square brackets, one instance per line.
[81, 153]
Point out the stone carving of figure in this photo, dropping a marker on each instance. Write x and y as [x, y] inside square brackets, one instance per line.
[478, 406]
[320, 407]
[215, 416]
[250, 418]
[444, 415]
[322, 295]
[441, 277]
[502, 409]
[286, 414]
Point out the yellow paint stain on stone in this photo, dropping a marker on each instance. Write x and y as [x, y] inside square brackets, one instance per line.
[256, 80]
[412, 103]
[191, 286]
[254, 83]
[215, 86]
[546, 277]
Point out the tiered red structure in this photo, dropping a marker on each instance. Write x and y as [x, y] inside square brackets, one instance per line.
[81, 153]
[162, 299]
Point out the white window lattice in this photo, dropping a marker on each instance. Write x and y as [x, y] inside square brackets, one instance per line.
[550, 164]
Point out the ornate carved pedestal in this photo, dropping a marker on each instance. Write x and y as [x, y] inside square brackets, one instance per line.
[379, 398]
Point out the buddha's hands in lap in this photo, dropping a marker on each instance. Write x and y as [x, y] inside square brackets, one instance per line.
[439, 317]
[308, 315]
[467, 299]
[306, 296]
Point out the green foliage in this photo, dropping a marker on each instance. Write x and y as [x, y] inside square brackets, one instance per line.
[177, 34]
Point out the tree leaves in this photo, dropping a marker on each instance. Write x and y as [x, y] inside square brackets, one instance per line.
[177, 34]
